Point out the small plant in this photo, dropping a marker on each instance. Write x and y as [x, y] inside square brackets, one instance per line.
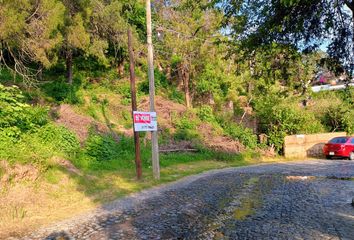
[18, 213]
[187, 121]
[176, 95]
[205, 113]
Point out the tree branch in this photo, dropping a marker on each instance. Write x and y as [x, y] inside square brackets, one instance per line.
[34, 13]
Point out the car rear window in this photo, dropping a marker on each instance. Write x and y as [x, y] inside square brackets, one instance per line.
[339, 140]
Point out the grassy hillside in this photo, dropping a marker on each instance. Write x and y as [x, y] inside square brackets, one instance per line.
[70, 148]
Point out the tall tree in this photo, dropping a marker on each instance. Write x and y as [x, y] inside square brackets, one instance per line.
[305, 24]
[76, 36]
[107, 24]
[29, 34]
[188, 27]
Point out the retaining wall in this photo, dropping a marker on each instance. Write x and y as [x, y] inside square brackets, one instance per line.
[300, 146]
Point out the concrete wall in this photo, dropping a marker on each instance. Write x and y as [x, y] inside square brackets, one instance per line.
[300, 146]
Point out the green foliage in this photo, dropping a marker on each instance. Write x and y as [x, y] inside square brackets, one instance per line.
[30, 37]
[160, 82]
[61, 91]
[205, 113]
[340, 118]
[303, 24]
[39, 147]
[17, 117]
[186, 134]
[186, 127]
[123, 89]
[334, 109]
[175, 95]
[187, 121]
[347, 95]
[62, 139]
[102, 148]
[105, 152]
[280, 118]
[240, 133]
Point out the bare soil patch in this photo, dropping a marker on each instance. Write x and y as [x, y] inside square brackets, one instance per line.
[77, 123]
[17, 173]
[219, 142]
[177, 146]
[165, 110]
[67, 165]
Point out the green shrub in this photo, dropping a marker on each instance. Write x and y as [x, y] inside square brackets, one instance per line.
[340, 118]
[104, 152]
[187, 121]
[40, 146]
[281, 117]
[175, 95]
[58, 90]
[186, 134]
[101, 148]
[205, 113]
[335, 109]
[123, 89]
[240, 133]
[347, 95]
[186, 127]
[348, 121]
[61, 91]
[62, 139]
[17, 117]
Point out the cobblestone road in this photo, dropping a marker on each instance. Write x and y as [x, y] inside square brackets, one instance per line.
[298, 200]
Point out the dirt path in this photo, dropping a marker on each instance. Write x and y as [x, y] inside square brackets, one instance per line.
[298, 200]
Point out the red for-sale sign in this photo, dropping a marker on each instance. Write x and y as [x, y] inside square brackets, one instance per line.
[144, 121]
[142, 118]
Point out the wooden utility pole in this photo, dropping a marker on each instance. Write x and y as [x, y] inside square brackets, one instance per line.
[154, 137]
[134, 105]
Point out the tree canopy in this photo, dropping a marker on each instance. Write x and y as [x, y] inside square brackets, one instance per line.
[304, 24]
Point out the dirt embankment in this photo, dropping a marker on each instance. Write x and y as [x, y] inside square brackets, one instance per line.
[17, 172]
[79, 124]
[166, 109]
[219, 142]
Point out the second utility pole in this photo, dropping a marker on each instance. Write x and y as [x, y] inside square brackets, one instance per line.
[134, 105]
[154, 137]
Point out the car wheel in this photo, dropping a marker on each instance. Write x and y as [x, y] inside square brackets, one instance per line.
[351, 156]
[328, 157]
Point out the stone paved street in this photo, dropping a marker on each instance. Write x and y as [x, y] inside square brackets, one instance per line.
[297, 200]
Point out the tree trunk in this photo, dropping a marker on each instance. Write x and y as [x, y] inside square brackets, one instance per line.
[186, 86]
[120, 68]
[168, 74]
[69, 66]
[180, 76]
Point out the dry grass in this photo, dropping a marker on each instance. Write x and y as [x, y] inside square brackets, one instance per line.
[28, 205]
[60, 194]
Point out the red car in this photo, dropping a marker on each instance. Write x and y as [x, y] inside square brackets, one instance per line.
[339, 147]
